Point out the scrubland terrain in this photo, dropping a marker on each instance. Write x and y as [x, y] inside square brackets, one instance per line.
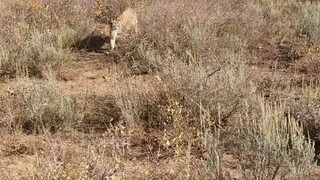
[208, 89]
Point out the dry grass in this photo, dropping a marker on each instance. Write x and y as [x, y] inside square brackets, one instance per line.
[36, 34]
[206, 90]
[38, 107]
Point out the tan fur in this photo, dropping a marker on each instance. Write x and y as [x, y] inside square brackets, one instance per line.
[102, 30]
[127, 21]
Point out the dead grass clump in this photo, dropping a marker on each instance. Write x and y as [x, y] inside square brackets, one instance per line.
[214, 92]
[100, 113]
[177, 30]
[38, 107]
[293, 24]
[64, 161]
[40, 33]
[141, 110]
[200, 28]
[307, 22]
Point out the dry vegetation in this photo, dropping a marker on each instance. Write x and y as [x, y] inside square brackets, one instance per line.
[209, 89]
